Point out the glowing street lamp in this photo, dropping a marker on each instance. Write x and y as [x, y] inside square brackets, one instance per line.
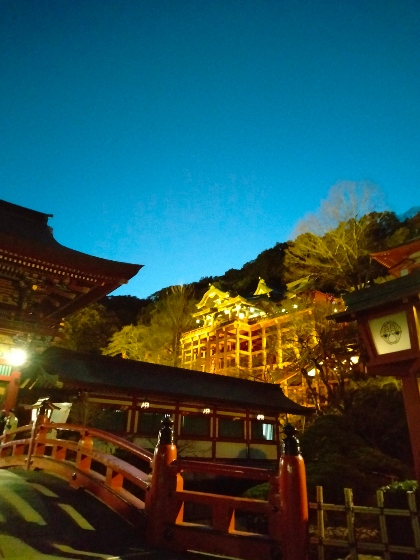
[12, 357]
[16, 357]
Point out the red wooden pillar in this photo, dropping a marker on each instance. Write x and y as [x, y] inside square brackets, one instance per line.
[411, 394]
[293, 499]
[12, 391]
[157, 502]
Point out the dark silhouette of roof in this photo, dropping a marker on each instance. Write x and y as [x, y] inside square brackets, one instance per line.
[25, 232]
[100, 373]
[43, 281]
[364, 300]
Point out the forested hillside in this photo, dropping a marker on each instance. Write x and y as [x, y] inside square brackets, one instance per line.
[331, 250]
[349, 442]
[277, 267]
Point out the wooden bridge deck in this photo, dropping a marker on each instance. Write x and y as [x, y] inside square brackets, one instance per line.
[43, 518]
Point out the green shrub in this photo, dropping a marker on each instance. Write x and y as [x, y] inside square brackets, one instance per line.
[401, 486]
[259, 492]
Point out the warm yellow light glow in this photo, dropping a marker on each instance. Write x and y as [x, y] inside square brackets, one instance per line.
[145, 404]
[295, 305]
[206, 411]
[354, 359]
[312, 372]
[241, 315]
[260, 417]
[16, 356]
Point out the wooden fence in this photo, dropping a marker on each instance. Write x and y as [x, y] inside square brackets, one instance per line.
[350, 531]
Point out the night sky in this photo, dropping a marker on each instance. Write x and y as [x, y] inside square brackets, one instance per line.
[190, 135]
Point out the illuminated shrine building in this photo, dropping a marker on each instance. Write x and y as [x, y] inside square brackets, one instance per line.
[41, 283]
[242, 336]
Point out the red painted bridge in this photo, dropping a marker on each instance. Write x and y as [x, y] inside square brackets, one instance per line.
[52, 476]
[43, 518]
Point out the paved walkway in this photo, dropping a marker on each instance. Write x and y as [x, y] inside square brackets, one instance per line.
[42, 518]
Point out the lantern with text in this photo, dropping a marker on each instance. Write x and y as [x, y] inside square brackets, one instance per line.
[387, 316]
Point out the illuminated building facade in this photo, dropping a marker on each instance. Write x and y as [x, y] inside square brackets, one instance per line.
[247, 336]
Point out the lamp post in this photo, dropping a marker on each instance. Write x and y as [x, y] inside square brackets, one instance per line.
[11, 359]
[388, 318]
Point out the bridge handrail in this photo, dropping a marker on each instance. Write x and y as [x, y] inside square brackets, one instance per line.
[162, 498]
[101, 434]
[221, 469]
[117, 465]
[121, 484]
[19, 430]
[224, 518]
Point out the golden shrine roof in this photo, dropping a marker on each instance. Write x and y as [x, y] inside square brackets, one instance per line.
[262, 288]
[212, 296]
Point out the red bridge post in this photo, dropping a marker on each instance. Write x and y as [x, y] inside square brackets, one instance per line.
[293, 498]
[161, 484]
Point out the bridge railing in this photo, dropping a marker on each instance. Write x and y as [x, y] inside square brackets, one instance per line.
[75, 453]
[241, 527]
[285, 511]
[153, 497]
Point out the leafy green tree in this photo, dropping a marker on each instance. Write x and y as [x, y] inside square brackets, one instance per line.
[340, 453]
[333, 246]
[90, 329]
[131, 342]
[158, 340]
[171, 317]
[312, 343]
[407, 230]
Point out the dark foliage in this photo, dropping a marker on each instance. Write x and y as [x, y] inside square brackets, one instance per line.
[126, 308]
[337, 458]
[267, 265]
[243, 281]
[376, 412]
[90, 329]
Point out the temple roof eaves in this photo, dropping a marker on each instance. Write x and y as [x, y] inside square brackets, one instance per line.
[25, 233]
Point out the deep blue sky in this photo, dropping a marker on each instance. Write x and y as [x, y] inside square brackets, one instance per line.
[190, 135]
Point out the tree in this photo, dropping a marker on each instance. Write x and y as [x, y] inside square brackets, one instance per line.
[158, 340]
[267, 265]
[364, 407]
[338, 455]
[337, 458]
[131, 342]
[332, 247]
[312, 343]
[90, 329]
[126, 308]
